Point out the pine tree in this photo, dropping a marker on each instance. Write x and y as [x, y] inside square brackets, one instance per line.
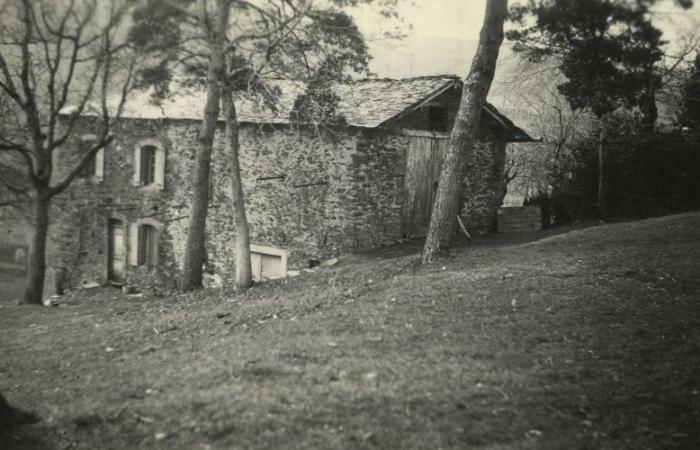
[609, 52]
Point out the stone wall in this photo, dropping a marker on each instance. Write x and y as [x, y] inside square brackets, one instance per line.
[313, 193]
[293, 180]
[521, 219]
[485, 185]
[79, 225]
[374, 202]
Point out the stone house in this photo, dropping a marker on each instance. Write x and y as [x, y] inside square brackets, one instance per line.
[312, 192]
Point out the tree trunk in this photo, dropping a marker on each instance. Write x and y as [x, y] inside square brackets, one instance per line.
[244, 274]
[649, 110]
[443, 220]
[195, 250]
[36, 268]
[602, 175]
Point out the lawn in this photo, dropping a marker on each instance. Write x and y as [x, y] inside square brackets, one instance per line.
[583, 340]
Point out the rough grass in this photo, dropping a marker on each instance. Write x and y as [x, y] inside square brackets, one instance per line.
[589, 339]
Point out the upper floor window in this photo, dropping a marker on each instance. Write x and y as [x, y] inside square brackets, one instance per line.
[149, 165]
[94, 169]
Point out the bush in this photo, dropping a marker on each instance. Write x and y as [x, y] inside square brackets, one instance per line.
[652, 172]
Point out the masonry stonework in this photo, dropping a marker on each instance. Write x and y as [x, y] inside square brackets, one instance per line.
[315, 194]
[485, 185]
[312, 193]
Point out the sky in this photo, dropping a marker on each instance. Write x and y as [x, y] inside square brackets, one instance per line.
[445, 34]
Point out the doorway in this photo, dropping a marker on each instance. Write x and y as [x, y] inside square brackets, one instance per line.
[116, 253]
[425, 155]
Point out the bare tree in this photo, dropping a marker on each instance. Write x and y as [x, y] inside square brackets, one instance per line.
[58, 61]
[215, 28]
[529, 90]
[443, 220]
[219, 89]
[290, 39]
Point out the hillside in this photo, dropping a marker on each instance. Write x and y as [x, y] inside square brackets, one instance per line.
[589, 339]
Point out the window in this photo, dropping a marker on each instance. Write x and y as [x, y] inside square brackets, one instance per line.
[437, 118]
[94, 168]
[149, 165]
[148, 245]
[144, 236]
[88, 169]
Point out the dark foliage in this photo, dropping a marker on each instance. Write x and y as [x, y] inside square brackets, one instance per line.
[651, 173]
[690, 107]
[311, 45]
[155, 33]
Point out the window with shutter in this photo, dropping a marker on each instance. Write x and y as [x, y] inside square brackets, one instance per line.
[88, 170]
[100, 165]
[147, 253]
[159, 168]
[149, 164]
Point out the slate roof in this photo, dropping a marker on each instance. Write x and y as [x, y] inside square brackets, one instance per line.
[367, 103]
[372, 102]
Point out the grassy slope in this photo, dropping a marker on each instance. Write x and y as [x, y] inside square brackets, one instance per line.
[585, 340]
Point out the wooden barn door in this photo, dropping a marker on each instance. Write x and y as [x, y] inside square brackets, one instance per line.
[423, 161]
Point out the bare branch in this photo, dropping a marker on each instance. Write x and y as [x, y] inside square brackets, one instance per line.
[102, 142]
[8, 84]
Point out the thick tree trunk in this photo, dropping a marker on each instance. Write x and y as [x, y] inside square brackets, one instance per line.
[36, 269]
[443, 221]
[195, 250]
[244, 275]
[649, 110]
[603, 189]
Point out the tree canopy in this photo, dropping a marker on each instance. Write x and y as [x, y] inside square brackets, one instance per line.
[608, 50]
[292, 39]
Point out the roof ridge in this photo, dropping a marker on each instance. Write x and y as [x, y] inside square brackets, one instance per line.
[419, 77]
[365, 103]
[355, 81]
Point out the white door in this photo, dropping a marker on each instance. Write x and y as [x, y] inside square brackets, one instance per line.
[116, 251]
